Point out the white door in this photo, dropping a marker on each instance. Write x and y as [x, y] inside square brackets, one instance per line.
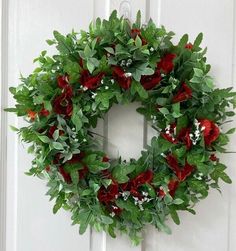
[30, 224]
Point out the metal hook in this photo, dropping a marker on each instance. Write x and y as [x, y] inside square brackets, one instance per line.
[125, 10]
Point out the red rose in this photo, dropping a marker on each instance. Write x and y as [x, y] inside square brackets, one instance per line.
[137, 32]
[169, 136]
[189, 46]
[47, 168]
[44, 112]
[32, 115]
[172, 186]
[83, 172]
[166, 64]
[184, 136]
[62, 104]
[90, 81]
[183, 94]
[145, 177]
[76, 158]
[62, 81]
[120, 77]
[149, 82]
[52, 129]
[105, 159]
[210, 131]
[181, 173]
[65, 175]
[108, 194]
[213, 157]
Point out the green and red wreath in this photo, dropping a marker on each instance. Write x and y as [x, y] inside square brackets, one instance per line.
[119, 63]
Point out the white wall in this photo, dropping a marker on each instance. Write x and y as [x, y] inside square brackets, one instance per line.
[31, 226]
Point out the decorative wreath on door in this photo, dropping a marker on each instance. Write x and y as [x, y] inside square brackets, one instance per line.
[116, 63]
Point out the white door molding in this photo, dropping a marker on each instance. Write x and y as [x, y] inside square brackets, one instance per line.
[3, 120]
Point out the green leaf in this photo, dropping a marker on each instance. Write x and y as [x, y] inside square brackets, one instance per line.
[175, 216]
[84, 219]
[106, 220]
[137, 87]
[178, 201]
[44, 139]
[225, 178]
[121, 171]
[138, 42]
[198, 40]
[57, 146]
[183, 41]
[110, 50]
[231, 131]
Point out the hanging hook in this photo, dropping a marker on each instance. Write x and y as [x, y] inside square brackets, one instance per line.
[125, 10]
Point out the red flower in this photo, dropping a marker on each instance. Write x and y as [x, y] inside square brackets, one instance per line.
[44, 112]
[145, 177]
[184, 136]
[137, 32]
[108, 194]
[172, 186]
[166, 64]
[83, 172]
[181, 173]
[133, 185]
[149, 82]
[89, 81]
[189, 46]
[211, 131]
[47, 168]
[213, 157]
[32, 115]
[52, 129]
[62, 81]
[170, 135]
[105, 159]
[62, 104]
[65, 175]
[183, 94]
[120, 77]
[78, 158]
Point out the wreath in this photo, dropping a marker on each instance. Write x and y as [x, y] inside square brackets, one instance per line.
[119, 63]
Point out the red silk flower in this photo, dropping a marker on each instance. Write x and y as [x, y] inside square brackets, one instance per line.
[211, 131]
[108, 194]
[213, 157]
[119, 75]
[149, 82]
[172, 187]
[184, 136]
[137, 32]
[189, 46]
[89, 81]
[183, 94]
[32, 115]
[170, 135]
[62, 104]
[78, 158]
[166, 64]
[65, 175]
[181, 172]
[52, 129]
[133, 185]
